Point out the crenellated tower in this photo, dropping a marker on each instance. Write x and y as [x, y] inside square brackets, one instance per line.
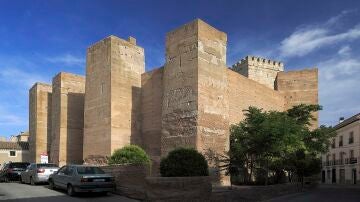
[259, 69]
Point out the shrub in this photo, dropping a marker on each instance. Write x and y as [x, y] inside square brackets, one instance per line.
[184, 162]
[131, 154]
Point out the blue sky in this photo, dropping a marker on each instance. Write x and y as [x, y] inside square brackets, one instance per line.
[42, 38]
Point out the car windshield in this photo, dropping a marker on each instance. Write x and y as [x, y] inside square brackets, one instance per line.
[18, 165]
[46, 165]
[89, 170]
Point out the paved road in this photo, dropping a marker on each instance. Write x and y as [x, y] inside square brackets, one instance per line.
[26, 193]
[325, 193]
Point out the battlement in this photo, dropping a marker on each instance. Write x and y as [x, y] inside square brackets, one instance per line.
[254, 60]
[259, 69]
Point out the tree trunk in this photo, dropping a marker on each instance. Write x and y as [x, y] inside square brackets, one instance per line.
[251, 169]
[267, 172]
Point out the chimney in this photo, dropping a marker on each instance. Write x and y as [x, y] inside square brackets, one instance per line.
[341, 119]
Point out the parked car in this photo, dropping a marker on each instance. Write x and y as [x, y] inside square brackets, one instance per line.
[12, 170]
[38, 172]
[82, 178]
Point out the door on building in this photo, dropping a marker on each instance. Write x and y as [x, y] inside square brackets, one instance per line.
[333, 179]
[354, 176]
[342, 176]
[323, 176]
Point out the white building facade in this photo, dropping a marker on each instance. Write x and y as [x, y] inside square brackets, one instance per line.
[341, 165]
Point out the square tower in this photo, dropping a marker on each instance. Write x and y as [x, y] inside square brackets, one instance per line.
[39, 120]
[195, 110]
[67, 119]
[113, 94]
[259, 69]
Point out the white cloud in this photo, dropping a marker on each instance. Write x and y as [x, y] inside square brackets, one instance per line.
[11, 119]
[66, 59]
[306, 39]
[337, 19]
[19, 77]
[338, 87]
[340, 67]
[345, 50]
[8, 118]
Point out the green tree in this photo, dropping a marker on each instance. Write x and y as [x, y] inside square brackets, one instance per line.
[273, 142]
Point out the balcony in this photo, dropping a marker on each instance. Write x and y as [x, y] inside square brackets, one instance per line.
[340, 162]
[326, 163]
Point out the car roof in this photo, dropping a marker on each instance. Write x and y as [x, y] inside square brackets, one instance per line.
[78, 165]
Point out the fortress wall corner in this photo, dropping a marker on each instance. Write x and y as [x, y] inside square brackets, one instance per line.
[151, 109]
[244, 92]
[299, 87]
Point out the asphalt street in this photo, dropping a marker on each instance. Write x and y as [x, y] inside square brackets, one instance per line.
[26, 193]
[325, 193]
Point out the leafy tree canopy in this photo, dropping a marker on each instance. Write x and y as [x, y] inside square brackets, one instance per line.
[278, 141]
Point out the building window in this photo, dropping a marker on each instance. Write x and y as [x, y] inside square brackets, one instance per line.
[341, 141]
[333, 143]
[351, 153]
[351, 137]
[12, 153]
[102, 88]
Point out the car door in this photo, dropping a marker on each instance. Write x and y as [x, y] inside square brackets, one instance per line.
[25, 174]
[32, 171]
[3, 172]
[58, 178]
[68, 177]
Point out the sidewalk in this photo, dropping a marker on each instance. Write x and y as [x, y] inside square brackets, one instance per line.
[255, 193]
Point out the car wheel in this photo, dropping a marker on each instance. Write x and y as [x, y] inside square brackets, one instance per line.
[70, 190]
[51, 185]
[21, 180]
[32, 182]
[6, 179]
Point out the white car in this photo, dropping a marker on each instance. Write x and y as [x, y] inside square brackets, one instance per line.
[37, 173]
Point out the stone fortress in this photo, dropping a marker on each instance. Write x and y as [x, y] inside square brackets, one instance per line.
[191, 101]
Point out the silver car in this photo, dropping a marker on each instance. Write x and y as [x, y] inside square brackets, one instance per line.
[82, 178]
[37, 173]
